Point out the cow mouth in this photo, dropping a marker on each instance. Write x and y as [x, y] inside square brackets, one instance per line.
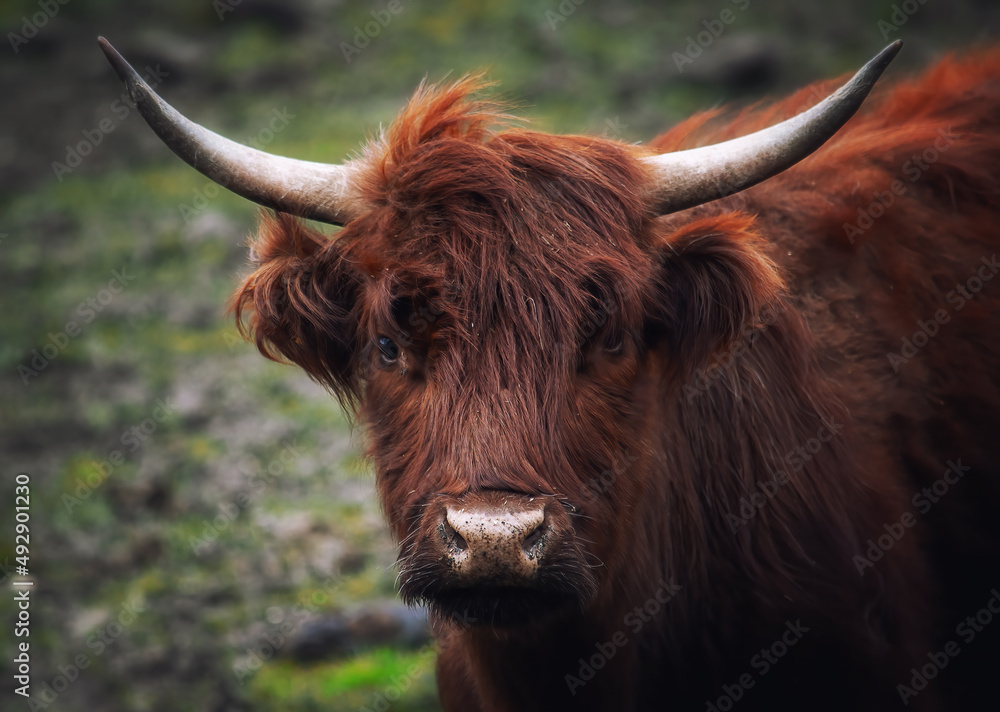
[500, 606]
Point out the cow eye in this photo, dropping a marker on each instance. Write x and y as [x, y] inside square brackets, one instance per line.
[388, 349]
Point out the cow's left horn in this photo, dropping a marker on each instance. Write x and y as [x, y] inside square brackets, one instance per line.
[319, 191]
[683, 179]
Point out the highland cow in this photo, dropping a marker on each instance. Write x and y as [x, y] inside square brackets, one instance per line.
[704, 423]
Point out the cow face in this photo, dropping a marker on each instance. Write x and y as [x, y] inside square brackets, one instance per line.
[505, 320]
[498, 376]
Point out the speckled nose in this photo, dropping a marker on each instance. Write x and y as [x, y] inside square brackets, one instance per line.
[495, 543]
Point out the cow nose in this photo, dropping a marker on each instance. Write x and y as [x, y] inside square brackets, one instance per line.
[498, 544]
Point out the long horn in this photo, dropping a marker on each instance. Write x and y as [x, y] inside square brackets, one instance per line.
[318, 191]
[684, 179]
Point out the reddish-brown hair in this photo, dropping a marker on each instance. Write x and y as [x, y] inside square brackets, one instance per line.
[551, 328]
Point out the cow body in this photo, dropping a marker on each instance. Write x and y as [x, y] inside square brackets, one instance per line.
[742, 454]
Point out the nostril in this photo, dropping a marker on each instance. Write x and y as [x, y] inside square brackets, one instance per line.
[453, 537]
[532, 539]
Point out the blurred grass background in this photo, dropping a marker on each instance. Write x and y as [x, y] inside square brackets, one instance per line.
[204, 534]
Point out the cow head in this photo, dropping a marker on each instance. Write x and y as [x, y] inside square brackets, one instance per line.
[505, 312]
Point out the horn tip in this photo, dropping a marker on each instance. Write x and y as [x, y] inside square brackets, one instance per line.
[883, 58]
[863, 82]
[122, 68]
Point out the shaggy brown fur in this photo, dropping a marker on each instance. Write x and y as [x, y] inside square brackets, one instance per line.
[709, 394]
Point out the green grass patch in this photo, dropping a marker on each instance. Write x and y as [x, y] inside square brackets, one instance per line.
[404, 679]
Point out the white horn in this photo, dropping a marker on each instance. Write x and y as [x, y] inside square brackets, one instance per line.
[318, 191]
[684, 179]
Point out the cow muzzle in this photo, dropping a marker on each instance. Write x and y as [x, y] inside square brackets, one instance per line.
[496, 558]
[485, 543]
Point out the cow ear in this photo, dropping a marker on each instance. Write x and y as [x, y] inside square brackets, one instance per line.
[301, 303]
[713, 283]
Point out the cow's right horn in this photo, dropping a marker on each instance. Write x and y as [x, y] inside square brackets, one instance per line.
[318, 191]
[684, 179]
